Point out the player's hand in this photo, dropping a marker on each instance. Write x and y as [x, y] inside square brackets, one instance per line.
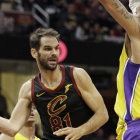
[70, 132]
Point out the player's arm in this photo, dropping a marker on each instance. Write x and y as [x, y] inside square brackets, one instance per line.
[128, 21]
[5, 137]
[20, 113]
[94, 101]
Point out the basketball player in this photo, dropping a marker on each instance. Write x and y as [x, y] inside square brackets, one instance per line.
[28, 130]
[127, 104]
[64, 96]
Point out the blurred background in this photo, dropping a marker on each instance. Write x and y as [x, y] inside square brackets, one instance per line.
[90, 38]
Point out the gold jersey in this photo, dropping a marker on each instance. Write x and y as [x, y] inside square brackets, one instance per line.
[127, 104]
[20, 137]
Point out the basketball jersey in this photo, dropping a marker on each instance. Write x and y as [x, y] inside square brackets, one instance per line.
[62, 107]
[20, 137]
[127, 104]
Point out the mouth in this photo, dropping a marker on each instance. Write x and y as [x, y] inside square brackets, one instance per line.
[32, 115]
[54, 60]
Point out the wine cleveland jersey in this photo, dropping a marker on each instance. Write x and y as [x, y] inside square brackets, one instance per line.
[61, 107]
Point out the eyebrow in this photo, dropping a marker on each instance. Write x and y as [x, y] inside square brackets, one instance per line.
[50, 46]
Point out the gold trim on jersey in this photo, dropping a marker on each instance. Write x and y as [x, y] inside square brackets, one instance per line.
[52, 88]
[51, 105]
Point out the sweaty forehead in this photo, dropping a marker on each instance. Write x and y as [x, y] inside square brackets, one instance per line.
[50, 41]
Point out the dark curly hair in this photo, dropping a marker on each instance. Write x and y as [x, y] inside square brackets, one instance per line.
[41, 32]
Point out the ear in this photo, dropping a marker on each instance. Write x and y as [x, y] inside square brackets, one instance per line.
[34, 53]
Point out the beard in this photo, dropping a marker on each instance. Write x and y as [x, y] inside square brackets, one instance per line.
[44, 63]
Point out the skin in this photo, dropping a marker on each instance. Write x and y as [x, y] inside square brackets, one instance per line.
[130, 23]
[94, 101]
[28, 130]
[49, 48]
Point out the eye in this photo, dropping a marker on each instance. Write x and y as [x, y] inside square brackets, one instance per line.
[47, 49]
[57, 48]
[34, 107]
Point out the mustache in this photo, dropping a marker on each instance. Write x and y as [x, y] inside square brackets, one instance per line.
[53, 57]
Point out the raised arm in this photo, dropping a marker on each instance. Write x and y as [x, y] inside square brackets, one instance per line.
[20, 113]
[127, 20]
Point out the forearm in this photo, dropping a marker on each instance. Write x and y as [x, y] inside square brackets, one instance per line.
[114, 3]
[117, 10]
[95, 122]
[7, 127]
[5, 137]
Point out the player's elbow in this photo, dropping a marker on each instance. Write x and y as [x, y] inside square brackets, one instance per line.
[12, 132]
[15, 131]
[105, 116]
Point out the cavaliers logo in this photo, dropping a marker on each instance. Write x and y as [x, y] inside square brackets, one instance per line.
[57, 100]
[56, 121]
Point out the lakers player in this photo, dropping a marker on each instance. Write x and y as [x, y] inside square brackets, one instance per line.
[127, 104]
[69, 105]
[28, 130]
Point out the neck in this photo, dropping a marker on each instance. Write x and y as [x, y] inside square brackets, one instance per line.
[51, 78]
[28, 130]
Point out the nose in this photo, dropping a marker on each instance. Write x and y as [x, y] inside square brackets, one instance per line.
[32, 109]
[54, 52]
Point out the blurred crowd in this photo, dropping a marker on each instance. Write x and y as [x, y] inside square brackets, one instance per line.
[84, 20]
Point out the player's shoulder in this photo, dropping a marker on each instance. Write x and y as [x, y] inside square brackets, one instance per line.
[79, 72]
[25, 89]
[27, 84]
[80, 75]
[82, 78]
